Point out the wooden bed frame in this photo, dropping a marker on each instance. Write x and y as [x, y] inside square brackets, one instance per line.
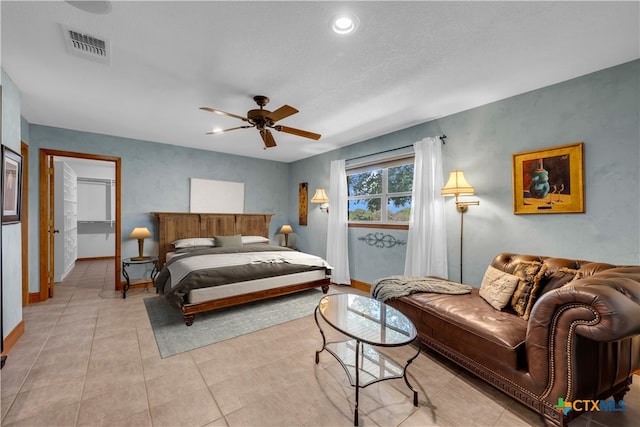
[177, 225]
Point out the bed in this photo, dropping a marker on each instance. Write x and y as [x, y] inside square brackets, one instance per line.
[199, 276]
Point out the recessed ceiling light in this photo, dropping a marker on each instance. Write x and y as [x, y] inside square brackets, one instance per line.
[344, 24]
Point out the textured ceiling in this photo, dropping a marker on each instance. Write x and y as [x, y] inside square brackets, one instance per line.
[409, 62]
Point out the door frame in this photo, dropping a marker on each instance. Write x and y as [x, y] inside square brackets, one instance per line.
[44, 227]
[24, 225]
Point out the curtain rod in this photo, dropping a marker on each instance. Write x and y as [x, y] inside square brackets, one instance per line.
[442, 138]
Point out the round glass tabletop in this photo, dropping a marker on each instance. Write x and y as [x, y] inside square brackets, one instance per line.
[367, 320]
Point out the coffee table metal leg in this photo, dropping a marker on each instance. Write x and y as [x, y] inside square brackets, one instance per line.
[355, 416]
[406, 380]
[324, 341]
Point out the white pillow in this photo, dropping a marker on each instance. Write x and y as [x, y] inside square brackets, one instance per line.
[254, 239]
[497, 287]
[194, 241]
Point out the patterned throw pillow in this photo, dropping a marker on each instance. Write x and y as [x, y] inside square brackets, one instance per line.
[529, 274]
[497, 287]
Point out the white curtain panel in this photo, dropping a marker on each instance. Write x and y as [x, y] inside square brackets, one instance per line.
[337, 230]
[427, 239]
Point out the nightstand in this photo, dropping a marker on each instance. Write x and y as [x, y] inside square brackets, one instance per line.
[128, 262]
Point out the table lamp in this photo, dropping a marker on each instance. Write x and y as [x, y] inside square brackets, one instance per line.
[140, 233]
[286, 229]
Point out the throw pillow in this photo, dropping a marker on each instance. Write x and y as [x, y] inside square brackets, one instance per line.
[497, 287]
[228, 241]
[529, 274]
[192, 242]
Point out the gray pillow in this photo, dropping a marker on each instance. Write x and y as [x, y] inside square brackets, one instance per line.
[234, 241]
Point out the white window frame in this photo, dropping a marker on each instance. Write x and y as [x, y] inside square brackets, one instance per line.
[383, 164]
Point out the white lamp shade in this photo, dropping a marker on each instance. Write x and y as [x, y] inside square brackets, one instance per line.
[286, 229]
[320, 196]
[140, 233]
[457, 185]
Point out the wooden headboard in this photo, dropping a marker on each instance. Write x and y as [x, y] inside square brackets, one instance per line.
[178, 225]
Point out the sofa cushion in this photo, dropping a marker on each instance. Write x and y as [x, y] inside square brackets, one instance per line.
[530, 274]
[467, 324]
[497, 287]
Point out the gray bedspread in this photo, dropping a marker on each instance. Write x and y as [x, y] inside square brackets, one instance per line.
[208, 277]
[400, 286]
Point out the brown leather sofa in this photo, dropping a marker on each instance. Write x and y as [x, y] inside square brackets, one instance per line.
[581, 341]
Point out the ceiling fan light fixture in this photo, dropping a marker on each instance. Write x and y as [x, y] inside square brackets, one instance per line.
[345, 24]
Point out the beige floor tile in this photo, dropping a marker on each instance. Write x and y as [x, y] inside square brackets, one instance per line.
[141, 419]
[31, 402]
[57, 373]
[73, 354]
[113, 404]
[156, 366]
[165, 388]
[196, 409]
[240, 391]
[269, 411]
[101, 381]
[50, 416]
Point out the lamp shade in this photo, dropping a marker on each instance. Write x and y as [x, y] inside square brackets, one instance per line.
[457, 185]
[286, 229]
[140, 233]
[320, 196]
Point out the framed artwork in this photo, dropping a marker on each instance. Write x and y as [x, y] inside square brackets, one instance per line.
[11, 185]
[303, 204]
[549, 181]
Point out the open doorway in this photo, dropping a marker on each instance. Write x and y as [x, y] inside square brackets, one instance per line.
[50, 228]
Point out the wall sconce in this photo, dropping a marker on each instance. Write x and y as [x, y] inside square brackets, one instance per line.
[286, 229]
[457, 185]
[140, 233]
[322, 198]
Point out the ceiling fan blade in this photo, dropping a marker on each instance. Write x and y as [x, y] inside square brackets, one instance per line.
[267, 137]
[281, 113]
[299, 132]
[228, 130]
[224, 113]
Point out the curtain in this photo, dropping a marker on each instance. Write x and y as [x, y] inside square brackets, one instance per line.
[337, 230]
[427, 239]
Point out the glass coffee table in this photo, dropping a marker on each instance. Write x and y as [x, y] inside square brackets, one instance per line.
[371, 326]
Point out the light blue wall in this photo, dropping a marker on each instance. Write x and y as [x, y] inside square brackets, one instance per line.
[155, 178]
[601, 109]
[11, 243]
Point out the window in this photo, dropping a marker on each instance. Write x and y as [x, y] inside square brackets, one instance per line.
[380, 193]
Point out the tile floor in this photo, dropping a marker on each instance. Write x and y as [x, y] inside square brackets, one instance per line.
[89, 358]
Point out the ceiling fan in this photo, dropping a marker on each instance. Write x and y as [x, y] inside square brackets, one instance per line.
[262, 120]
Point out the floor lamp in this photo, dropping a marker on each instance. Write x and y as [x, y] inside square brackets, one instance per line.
[456, 186]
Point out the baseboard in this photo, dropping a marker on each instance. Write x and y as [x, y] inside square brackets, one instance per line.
[13, 337]
[34, 297]
[365, 287]
[95, 258]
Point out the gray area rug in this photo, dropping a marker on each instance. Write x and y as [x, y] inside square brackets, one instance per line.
[174, 337]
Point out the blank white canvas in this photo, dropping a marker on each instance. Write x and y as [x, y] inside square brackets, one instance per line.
[211, 196]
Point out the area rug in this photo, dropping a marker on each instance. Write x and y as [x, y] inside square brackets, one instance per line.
[174, 337]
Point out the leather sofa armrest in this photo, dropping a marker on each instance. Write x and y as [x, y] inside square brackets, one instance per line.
[604, 307]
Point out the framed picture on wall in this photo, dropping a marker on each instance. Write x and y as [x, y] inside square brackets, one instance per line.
[11, 185]
[549, 181]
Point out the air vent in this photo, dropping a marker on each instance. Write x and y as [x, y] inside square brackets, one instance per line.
[86, 46]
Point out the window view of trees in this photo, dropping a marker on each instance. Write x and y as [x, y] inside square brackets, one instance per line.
[381, 195]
